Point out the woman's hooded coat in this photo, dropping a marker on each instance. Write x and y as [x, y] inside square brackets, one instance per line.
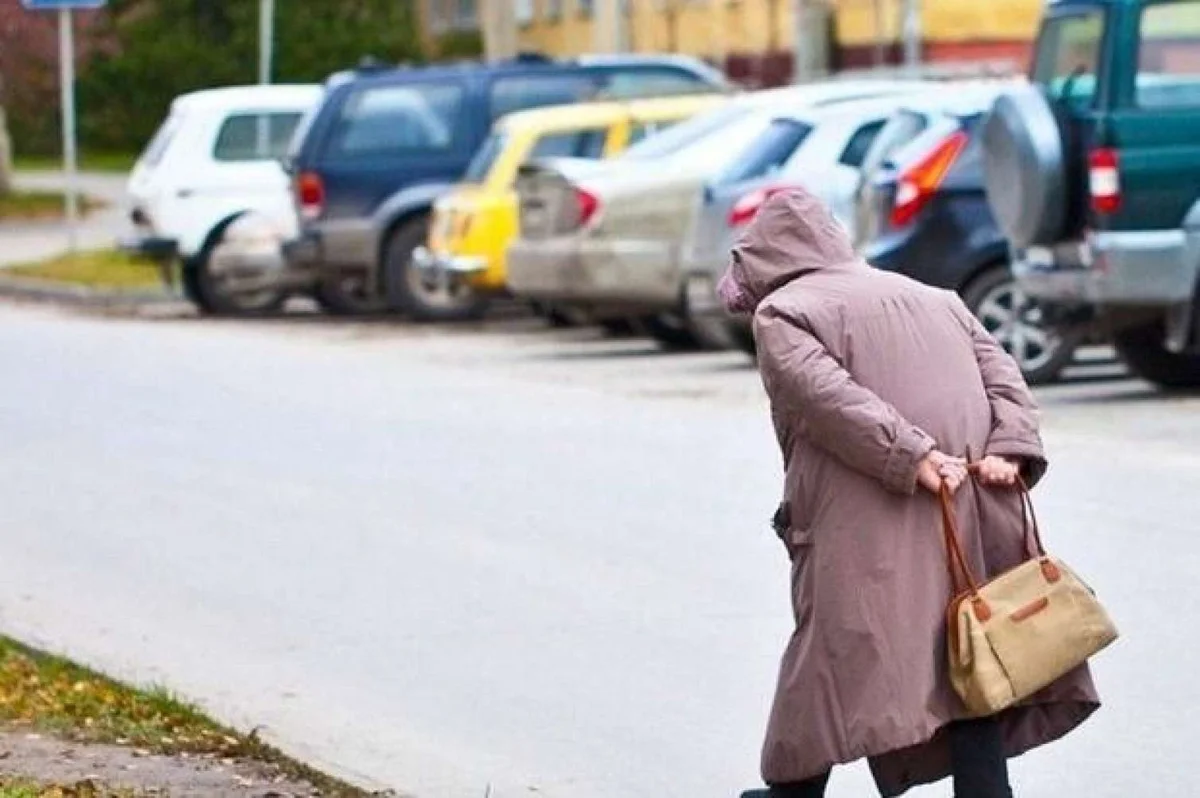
[868, 371]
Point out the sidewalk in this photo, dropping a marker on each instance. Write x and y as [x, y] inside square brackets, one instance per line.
[22, 242]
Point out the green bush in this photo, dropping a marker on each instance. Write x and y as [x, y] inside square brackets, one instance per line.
[155, 50]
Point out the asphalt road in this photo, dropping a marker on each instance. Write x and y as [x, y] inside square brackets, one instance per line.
[444, 561]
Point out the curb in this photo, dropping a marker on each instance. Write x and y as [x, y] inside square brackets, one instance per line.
[48, 291]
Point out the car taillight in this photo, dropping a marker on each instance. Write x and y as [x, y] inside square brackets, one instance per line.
[746, 208]
[1104, 180]
[310, 194]
[921, 181]
[588, 206]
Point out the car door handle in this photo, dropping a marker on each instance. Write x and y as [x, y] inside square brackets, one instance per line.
[185, 193]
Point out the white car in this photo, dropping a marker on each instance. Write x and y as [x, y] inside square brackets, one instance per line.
[210, 192]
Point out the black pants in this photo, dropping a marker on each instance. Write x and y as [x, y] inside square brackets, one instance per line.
[977, 762]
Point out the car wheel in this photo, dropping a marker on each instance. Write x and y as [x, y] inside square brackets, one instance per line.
[348, 294]
[1143, 350]
[422, 294]
[712, 331]
[672, 332]
[621, 328]
[743, 338]
[214, 295]
[1019, 324]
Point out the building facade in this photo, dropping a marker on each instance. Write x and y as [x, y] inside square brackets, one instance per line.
[753, 39]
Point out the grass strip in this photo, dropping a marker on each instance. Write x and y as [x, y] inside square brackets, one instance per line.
[26, 206]
[119, 162]
[23, 788]
[45, 693]
[101, 269]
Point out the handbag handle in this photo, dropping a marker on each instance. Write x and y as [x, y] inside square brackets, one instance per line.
[961, 577]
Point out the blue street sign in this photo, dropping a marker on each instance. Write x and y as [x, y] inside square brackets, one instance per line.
[59, 5]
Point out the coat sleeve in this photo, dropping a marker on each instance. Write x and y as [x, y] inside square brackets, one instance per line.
[838, 415]
[1015, 419]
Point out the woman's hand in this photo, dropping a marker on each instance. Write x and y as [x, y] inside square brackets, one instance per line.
[993, 470]
[939, 467]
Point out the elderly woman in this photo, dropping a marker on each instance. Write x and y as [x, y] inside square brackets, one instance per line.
[879, 388]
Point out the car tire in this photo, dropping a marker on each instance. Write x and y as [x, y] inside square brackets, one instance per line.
[712, 332]
[410, 291]
[672, 332]
[743, 339]
[348, 295]
[208, 294]
[1041, 351]
[1144, 351]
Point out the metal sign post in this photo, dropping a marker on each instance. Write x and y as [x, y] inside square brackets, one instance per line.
[66, 67]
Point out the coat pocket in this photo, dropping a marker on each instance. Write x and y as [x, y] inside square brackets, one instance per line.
[799, 542]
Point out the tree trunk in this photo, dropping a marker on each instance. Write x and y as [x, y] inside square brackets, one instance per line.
[5, 156]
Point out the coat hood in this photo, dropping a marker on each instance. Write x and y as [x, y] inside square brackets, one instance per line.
[792, 235]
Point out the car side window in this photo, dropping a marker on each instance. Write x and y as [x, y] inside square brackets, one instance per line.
[1168, 73]
[255, 137]
[1067, 56]
[574, 144]
[641, 130]
[518, 92]
[650, 81]
[860, 143]
[404, 119]
[769, 151]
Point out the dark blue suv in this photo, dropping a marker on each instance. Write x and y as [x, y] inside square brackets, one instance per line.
[368, 163]
[923, 212]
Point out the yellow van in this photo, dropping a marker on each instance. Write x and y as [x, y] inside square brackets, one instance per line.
[473, 224]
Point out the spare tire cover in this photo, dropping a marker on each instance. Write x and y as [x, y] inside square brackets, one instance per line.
[1024, 168]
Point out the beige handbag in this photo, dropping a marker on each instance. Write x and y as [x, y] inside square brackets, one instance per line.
[1012, 636]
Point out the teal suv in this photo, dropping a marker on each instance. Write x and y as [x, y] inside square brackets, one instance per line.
[1093, 172]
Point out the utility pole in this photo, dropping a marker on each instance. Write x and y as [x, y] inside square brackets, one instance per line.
[266, 39]
[499, 29]
[910, 28]
[810, 39]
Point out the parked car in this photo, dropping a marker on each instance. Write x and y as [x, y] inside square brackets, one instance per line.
[819, 148]
[208, 192]
[1094, 175]
[609, 241]
[386, 143]
[473, 225]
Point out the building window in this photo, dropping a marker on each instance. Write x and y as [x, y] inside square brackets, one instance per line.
[524, 11]
[586, 7]
[467, 14]
[553, 9]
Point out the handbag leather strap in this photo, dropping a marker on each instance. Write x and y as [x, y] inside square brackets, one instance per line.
[961, 577]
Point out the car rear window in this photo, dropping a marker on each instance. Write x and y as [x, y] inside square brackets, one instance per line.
[485, 158]
[157, 148]
[903, 126]
[768, 152]
[588, 143]
[1168, 73]
[407, 119]
[684, 134]
[1068, 52]
[652, 82]
[255, 137]
[518, 92]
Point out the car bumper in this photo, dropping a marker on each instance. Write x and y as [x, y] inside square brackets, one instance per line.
[334, 246]
[643, 276]
[478, 270]
[1111, 269]
[156, 248]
